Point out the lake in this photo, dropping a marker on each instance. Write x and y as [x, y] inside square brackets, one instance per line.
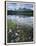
[21, 19]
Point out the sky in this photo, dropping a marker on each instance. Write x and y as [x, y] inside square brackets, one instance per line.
[13, 6]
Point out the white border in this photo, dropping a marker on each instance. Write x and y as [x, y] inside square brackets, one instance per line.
[6, 24]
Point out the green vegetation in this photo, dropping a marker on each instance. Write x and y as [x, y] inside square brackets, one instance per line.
[27, 13]
[24, 11]
[25, 34]
[11, 24]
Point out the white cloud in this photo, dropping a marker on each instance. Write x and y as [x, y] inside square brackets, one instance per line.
[13, 6]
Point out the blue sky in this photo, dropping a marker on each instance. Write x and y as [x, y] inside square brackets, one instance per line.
[13, 6]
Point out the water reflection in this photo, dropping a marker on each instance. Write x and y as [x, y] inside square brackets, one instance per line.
[24, 28]
[21, 19]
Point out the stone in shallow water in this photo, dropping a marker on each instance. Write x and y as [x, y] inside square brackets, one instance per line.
[16, 34]
[17, 39]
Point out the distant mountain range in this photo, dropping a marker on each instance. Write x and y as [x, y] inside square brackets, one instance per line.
[23, 9]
